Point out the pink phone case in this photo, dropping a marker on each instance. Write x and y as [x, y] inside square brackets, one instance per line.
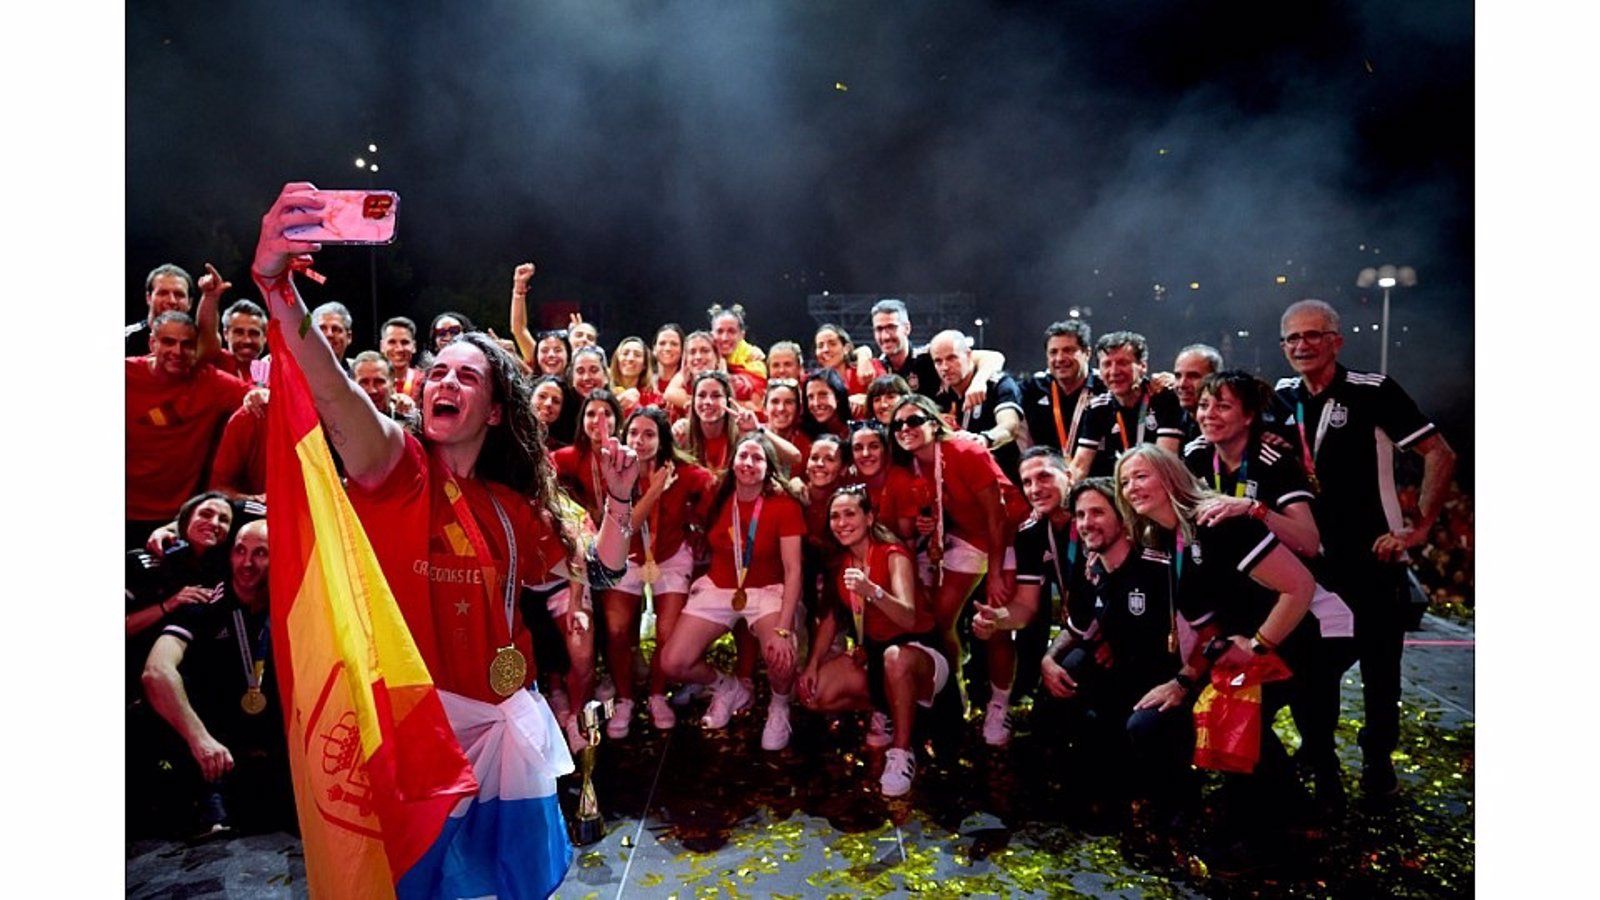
[352, 217]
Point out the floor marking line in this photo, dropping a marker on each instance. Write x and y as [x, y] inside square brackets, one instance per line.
[648, 800]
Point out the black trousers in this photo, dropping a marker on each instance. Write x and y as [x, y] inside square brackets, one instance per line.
[1376, 593]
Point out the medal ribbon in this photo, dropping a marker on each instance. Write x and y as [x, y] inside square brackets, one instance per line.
[742, 550]
[858, 604]
[1216, 472]
[1068, 436]
[1308, 449]
[1122, 426]
[938, 495]
[480, 547]
[253, 657]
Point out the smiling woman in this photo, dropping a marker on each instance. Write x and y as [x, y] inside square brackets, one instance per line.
[474, 497]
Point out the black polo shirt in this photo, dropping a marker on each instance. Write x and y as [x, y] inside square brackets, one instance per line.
[1158, 414]
[1133, 609]
[917, 369]
[213, 666]
[1265, 473]
[1363, 418]
[1038, 564]
[1002, 394]
[1039, 410]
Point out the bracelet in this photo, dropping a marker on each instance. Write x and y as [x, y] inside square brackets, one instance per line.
[625, 501]
[1270, 645]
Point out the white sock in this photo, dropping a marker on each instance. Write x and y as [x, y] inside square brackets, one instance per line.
[723, 683]
[999, 695]
[779, 700]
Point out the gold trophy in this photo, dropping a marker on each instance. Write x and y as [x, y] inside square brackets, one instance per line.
[590, 827]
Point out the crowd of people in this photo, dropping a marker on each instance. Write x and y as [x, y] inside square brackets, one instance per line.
[887, 529]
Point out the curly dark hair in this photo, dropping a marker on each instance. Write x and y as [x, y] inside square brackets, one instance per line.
[513, 453]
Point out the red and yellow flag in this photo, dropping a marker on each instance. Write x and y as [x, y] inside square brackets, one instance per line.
[376, 766]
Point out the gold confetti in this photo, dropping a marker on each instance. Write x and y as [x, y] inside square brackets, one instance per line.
[840, 86]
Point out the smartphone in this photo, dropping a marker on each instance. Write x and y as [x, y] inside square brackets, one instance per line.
[352, 217]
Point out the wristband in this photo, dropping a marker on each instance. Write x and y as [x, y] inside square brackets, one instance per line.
[1259, 644]
[625, 501]
[784, 633]
[1185, 682]
[1258, 510]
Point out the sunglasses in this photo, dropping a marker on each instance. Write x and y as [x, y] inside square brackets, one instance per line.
[447, 331]
[556, 333]
[912, 421]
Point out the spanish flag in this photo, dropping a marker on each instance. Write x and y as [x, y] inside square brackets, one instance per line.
[377, 768]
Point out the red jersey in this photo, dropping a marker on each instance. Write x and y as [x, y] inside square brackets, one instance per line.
[781, 517]
[577, 473]
[240, 466]
[968, 468]
[172, 427]
[818, 533]
[716, 455]
[879, 626]
[678, 507]
[897, 495]
[436, 575]
[855, 384]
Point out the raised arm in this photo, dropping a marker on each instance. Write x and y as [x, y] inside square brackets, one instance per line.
[369, 443]
[208, 315]
[519, 315]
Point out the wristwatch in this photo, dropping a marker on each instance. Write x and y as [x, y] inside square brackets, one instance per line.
[877, 592]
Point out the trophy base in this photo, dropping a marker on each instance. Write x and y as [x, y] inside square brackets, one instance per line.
[588, 831]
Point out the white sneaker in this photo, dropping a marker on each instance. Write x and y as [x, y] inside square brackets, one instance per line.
[621, 716]
[996, 727]
[661, 713]
[775, 735]
[899, 767]
[575, 739]
[881, 733]
[688, 692]
[728, 698]
[605, 690]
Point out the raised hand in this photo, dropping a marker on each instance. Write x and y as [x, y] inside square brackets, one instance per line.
[296, 205]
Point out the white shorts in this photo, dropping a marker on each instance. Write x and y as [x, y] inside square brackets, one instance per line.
[941, 671]
[960, 556]
[674, 574]
[715, 604]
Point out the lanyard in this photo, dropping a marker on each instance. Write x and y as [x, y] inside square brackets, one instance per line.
[1055, 555]
[252, 654]
[1067, 436]
[742, 550]
[1239, 481]
[480, 547]
[1308, 449]
[1144, 400]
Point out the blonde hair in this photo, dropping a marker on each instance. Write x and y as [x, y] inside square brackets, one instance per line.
[1184, 492]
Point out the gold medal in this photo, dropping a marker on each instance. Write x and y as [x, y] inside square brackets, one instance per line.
[739, 599]
[652, 572]
[507, 671]
[253, 702]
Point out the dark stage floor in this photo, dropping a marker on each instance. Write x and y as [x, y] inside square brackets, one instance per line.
[694, 815]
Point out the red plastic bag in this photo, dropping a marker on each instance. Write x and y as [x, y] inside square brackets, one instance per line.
[1227, 715]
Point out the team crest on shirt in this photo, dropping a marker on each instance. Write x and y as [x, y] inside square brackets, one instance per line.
[1136, 602]
[1339, 416]
[1150, 422]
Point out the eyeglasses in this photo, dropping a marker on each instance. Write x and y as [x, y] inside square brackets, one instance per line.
[1309, 338]
[913, 421]
[447, 331]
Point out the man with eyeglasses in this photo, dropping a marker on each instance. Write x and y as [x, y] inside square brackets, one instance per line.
[1349, 425]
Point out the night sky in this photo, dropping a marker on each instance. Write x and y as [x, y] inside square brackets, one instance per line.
[655, 158]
